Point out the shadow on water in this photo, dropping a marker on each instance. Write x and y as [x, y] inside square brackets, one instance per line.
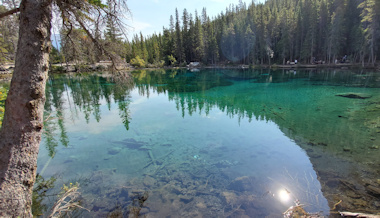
[331, 115]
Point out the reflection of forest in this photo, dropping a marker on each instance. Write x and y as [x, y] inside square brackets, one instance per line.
[340, 135]
[84, 94]
[302, 110]
[334, 131]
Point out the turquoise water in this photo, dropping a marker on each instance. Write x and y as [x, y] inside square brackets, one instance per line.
[212, 143]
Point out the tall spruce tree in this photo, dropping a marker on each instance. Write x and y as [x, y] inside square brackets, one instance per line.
[179, 55]
[371, 24]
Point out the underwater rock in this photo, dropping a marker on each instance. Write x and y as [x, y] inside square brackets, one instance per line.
[346, 149]
[124, 194]
[241, 184]
[130, 143]
[185, 198]
[149, 181]
[201, 205]
[82, 138]
[223, 164]
[374, 190]
[176, 190]
[354, 95]
[353, 195]
[114, 150]
[229, 197]
[71, 159]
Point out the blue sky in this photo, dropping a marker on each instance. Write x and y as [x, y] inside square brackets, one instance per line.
[149, 16]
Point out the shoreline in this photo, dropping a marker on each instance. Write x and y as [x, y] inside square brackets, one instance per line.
[6, 70]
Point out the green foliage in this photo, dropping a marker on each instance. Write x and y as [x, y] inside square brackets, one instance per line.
[370, 19]
[57, 69]
[8, 35]
[3, 97]
[3, 51]
[65, 188]
[97, 3]
[137, 62]
[41, 186]
[82, 67]
[55, 56]
[170, 60]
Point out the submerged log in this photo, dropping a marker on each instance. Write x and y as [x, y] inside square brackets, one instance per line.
[354, 95]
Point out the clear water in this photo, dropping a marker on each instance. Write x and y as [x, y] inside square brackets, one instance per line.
[211, 143]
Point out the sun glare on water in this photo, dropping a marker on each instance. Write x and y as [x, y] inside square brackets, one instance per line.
[284, 195]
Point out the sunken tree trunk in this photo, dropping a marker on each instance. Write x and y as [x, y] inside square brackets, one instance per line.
[20, 135]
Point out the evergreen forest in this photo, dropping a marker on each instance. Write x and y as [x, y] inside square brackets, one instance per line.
[312, 31]
[274, 32]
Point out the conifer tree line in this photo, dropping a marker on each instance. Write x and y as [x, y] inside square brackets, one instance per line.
[276, 31]
[273, 32]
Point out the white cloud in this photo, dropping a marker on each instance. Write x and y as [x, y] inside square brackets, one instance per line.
[139, 26]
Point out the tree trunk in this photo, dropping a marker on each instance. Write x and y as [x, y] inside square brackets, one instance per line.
[23, 120]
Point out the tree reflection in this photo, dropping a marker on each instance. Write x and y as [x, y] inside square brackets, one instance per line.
[314, 117]
[41, 186]
[82, 93]
[343, 132]
[303, 110]
[299, 111]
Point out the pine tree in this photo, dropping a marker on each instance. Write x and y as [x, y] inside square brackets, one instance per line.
[198, 39]
[178, 39]
[144, 51]
[371, 24]
[186, 36]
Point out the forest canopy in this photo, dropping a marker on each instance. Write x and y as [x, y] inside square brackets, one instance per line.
[276, 31]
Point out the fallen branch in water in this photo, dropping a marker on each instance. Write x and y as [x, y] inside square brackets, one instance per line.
[336, 205]
[67, 203]
[350, 214]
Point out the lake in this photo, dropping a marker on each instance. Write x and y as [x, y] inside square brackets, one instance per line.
[214, 143]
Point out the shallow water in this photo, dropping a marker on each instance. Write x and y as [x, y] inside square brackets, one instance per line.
[213, 143]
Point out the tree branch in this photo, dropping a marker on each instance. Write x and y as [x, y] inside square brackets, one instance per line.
[10, 12]
[114, 58]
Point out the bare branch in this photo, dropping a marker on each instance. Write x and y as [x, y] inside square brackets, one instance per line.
[114, 58]
[10, 12]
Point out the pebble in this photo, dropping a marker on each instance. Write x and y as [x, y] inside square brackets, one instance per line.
[346, 149]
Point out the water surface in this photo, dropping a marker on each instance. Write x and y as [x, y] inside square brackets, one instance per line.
[214, 143]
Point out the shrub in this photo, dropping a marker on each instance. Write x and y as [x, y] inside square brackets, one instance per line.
[170, 60]
[137, 62]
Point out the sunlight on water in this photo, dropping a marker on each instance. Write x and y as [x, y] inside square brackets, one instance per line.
[215, 143]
